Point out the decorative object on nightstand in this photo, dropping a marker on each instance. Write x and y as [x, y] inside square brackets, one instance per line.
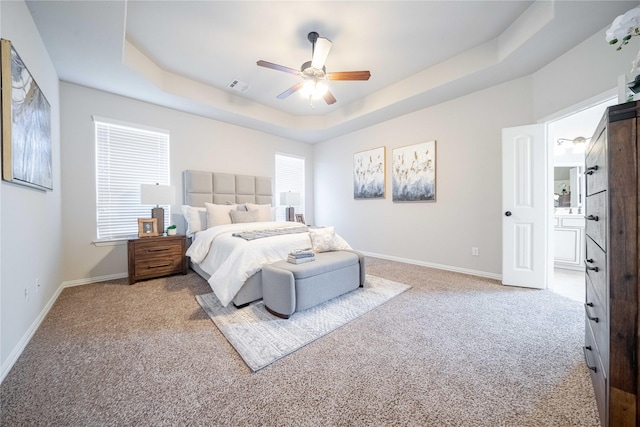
[300, 218]
[147, 227]
[151, 194]
[172, 230]
[290, 199]
[156, 257]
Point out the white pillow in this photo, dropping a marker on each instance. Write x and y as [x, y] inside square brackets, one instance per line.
[244, 216]
[266, 213]
[218, 214]
[323, 239]
[196, 219]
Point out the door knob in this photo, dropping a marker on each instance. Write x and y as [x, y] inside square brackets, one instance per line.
[507, 213]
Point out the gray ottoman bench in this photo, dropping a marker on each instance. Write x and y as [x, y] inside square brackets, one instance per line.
[287, 287]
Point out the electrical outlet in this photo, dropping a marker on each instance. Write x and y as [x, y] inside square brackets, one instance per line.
[474, 251]
[26, 294]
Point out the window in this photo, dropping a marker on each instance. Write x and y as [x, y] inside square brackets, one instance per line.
[289, 177]
[127, 156]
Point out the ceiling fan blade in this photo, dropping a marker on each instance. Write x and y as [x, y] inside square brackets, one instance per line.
[291, 90]
[329, 98]
[277, 67]
[349, 75]
[320, 52]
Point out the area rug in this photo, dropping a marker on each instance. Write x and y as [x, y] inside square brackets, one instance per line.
[262, 338]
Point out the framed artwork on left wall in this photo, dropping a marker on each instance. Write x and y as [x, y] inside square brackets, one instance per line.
[369, 174]
[26, 124]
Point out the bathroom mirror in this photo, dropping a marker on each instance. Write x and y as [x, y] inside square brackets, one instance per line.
[568, 187]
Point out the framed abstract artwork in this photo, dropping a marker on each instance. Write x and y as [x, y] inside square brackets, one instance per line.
[414, 173]
[26, 124]
[369, 174]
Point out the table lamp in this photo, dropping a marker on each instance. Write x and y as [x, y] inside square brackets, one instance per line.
[290, 199]
[151, 194]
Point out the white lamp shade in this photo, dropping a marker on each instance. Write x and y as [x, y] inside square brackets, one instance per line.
[289, 199]
[154, 194]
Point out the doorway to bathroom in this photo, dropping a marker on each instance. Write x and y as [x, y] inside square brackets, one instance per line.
[568, 138]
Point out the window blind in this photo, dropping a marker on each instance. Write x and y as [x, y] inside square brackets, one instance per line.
[289, 177]
[127, 157]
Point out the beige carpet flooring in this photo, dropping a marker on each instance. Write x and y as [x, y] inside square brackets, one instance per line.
[454, 350]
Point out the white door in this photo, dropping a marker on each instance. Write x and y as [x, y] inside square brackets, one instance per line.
[524, 219]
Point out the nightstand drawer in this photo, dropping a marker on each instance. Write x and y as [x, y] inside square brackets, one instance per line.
[153, 267]
[146, 250]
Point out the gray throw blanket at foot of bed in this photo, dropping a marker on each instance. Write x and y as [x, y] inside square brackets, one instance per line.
[259, 234]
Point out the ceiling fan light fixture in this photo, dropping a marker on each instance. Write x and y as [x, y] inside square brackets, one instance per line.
[313, 83]
[314, 89]
[575, 141]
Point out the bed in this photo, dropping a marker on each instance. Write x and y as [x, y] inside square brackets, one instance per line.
[232, 265]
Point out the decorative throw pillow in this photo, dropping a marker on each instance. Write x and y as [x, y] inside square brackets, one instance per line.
[264, 211]
[323, 239]
[218, 214]
[241, 207]
[196, 219]
[244, 216]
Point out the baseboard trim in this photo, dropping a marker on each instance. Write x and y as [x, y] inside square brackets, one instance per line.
[19, 348]
[437, 266]
[22, 344]
[90, 280]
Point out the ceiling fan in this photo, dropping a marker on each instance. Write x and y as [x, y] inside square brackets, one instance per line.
[314, 73]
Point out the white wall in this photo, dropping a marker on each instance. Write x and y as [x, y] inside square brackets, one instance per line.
[30, 222]
[587, 70]
[196, 143]
[468, 181]
[467, 212]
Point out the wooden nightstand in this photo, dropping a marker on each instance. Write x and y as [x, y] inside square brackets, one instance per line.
[151, 257]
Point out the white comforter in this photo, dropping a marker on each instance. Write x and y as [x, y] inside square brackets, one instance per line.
[232, 260]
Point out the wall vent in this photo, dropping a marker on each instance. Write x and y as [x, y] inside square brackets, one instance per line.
[239, 86]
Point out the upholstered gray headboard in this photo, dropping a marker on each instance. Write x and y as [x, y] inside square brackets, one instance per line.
[220, 188]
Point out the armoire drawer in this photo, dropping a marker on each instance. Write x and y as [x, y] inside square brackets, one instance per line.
[596, 315]
[596, 218]
[596, 166]
[596, 370]
[596, 267]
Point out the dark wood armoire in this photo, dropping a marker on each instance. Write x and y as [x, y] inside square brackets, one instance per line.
[612, 268]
